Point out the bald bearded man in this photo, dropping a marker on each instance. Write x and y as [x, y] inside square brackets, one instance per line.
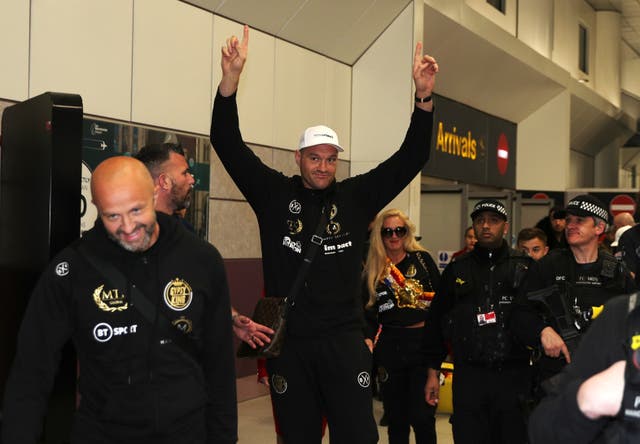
[163, 375]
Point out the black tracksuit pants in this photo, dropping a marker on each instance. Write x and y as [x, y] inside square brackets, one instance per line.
[328, 375]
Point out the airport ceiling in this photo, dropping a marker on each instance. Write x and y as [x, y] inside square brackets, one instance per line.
[344, 29]
[339, 29]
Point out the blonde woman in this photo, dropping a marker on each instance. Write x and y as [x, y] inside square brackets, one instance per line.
[401, 278]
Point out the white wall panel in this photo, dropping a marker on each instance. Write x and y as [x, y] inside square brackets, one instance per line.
[382, 93]
[255, 93]
[300, 98]
[14, 49]
[172, 50]
[83, 47]
[535, 24]
[568, 14]
[582, 170]
[607, 53]
[338, 103]
[630, 80]
[543, 147]
[383, 101]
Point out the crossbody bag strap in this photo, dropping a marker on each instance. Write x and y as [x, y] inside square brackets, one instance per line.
[314, 245]
[426, 269]
[140, 302]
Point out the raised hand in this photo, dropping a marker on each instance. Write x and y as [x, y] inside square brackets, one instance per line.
[425, 68]
[234, 55]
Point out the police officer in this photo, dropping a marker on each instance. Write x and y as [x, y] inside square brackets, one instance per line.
[564, 287]
[472, 309]
[595, 400]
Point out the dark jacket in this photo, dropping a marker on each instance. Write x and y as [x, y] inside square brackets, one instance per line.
[472, 309]
[288, 214]
[583, 285]
[133, 378]
[629, 246]
[558, 419]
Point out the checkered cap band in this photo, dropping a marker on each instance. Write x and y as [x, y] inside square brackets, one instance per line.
[489, 205]
[585, 206]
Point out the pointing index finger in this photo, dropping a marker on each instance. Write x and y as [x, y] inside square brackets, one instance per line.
[245, 35]
[418, 54]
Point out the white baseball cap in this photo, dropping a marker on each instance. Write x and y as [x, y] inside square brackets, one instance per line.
[319, 135]
[619, 232]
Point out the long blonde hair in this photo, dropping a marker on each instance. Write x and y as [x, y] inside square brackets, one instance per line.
[377, 256]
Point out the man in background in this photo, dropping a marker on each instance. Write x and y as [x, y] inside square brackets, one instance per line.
[174, 184]
[533, 243]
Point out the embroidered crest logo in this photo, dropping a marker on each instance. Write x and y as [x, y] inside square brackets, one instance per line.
[178, 295]
[364, 379]
[294, 226]
[183, 324]
[279, 384]
[62, 269]
[295, 207]
[333, 227]
[110, 300]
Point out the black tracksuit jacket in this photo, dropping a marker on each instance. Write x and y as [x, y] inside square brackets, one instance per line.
[133, 382]
[288, 214]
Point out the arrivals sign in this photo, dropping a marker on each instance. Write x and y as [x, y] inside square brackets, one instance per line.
[471, 146]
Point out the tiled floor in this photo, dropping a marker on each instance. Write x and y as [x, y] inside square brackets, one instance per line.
[255, 423]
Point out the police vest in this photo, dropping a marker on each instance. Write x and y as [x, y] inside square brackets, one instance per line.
[588, 288]
[484, 293]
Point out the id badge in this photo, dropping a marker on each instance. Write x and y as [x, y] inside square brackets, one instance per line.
[486, 318]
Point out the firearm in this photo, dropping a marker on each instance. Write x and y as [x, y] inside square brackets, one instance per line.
[571, 320]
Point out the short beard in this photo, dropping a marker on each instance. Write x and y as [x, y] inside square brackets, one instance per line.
[146, 240]
[180, 202]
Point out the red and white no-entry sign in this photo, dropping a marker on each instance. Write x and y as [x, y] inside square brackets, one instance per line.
[622, 203]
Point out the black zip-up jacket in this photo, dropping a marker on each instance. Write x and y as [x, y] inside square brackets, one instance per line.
[472, 309]
[288, 214]
[558, 419]
[133, 381]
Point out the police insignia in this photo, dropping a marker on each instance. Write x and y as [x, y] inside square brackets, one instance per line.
[183, 324]
[178, 294]
[111, 300]
[279, 384]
